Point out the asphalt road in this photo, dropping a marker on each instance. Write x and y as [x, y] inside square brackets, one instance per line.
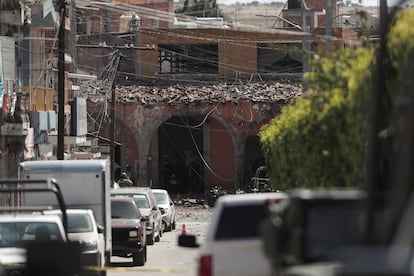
[166, 257]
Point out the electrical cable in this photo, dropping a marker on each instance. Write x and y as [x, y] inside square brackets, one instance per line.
[202, 157]
[177, 149]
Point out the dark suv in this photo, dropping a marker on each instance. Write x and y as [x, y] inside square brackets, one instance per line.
[128, 230]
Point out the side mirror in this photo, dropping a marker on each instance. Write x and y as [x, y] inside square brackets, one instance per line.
[188, 241]
[100, 229]
[142, 218]
[155, 208]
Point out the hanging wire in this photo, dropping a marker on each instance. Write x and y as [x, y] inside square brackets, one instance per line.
[201, 155]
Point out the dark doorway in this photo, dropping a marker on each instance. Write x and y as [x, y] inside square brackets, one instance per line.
[180, 151]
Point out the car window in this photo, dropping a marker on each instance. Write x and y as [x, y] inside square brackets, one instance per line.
[17, 233]
[123, 209]
[238, 222]
[161, 198]
[79, 223]
[152, 198]
[141, 200]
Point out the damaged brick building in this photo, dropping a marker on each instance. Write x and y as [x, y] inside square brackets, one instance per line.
[190, 101]
[190, 93]
[187, 138]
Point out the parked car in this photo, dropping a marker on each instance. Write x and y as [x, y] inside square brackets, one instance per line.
[167, 208]
[147, 204]
[32, 243]
[128, 230]
[18, 231]
[233, 244]
[83, 227]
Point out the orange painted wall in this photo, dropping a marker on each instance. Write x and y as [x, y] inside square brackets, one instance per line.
[222, 159]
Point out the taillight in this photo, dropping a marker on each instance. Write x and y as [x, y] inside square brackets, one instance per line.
[205, 267]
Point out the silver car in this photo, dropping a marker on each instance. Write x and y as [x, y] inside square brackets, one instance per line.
[82, 227]
[167, 207]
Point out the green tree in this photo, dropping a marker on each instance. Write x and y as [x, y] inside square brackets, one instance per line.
[319, 139]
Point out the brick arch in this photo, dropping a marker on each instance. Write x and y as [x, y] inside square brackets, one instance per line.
[141, 123]
[211, 117]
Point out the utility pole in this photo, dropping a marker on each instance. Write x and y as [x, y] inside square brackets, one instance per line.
[329, 25]
[112, 134]
[112, 80]
[61, 82]
[305, 39]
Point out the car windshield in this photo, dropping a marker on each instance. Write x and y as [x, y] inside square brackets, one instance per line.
[161, 198]
[123, 209]
[141, 200]
[17, 234]
[79, 223]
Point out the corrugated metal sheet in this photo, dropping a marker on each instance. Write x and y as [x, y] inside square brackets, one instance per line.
[7, 47]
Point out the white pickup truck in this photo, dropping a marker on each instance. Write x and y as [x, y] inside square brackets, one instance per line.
[30, 242]
[233, 244]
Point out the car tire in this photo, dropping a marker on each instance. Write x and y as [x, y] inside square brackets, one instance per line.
[151, 238]
[138, 258]
[167, 227]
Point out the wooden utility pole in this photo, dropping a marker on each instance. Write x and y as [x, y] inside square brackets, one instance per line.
[112, 134]
[112, 80]
[61, 83]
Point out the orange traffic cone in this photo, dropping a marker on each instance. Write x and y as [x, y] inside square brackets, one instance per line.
[183, 231]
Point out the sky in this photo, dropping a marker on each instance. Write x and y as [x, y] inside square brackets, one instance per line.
[374, 3]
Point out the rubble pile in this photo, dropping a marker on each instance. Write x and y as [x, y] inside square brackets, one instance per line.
[214, 93]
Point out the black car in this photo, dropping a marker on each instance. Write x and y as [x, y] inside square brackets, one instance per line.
[128, 230]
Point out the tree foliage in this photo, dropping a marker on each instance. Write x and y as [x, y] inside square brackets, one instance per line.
[319, 139]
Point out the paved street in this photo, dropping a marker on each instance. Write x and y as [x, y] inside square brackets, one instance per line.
[166, 257]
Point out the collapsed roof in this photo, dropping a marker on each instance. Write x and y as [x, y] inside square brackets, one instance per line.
[219, 92]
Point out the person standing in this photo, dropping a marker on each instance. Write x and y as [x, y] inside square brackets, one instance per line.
[125, 181]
